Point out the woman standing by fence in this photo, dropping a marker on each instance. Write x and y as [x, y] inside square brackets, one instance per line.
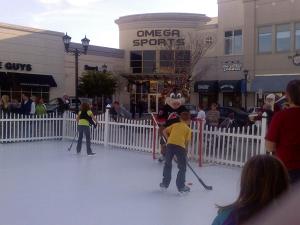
[4, 104]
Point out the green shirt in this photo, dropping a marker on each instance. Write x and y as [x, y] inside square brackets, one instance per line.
[40, 109]
[84, 122]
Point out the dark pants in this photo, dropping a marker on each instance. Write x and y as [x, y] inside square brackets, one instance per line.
[86, 131]
[294, 176]
[133, 114]
[181, 163]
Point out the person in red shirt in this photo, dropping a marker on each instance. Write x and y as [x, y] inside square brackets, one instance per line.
[283, 137]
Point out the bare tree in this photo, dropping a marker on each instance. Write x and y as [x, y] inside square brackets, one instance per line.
[197, 44]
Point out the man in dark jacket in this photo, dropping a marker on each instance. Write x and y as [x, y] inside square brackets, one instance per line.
[25, 105]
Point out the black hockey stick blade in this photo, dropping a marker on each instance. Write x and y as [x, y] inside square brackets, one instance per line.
[70, 147]
[207, 187]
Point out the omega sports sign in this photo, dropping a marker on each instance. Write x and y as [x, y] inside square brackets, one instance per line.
[166, 37]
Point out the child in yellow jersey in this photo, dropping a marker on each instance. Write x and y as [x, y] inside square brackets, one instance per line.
[83, 117]
[178, 135]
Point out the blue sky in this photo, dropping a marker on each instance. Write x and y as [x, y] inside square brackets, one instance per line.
[95, 18]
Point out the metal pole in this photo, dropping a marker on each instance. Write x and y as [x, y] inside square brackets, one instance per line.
[246, 92]
[76, 79]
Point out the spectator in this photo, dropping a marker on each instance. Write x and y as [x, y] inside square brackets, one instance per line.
[283, 212]
[4, 104]
[66, 100]
[61, 106]
[270, 100]
[107, 101]
[264, 179]
[32, 110]
[132, 108]
[201, 114]
[115, 110]
[283, 134]
[40, 107]
[25, 105]
[213, 116]
[15, 106]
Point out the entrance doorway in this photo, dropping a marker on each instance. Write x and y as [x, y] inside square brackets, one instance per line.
[155, 102]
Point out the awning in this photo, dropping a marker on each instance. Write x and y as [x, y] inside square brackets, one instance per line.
[272, 83]
[230, 85]
[206, 86]
[24, 79]
[4, 82]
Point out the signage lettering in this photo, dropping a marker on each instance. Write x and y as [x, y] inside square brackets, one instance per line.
[232, 67]
[16, 66]
[158, 37]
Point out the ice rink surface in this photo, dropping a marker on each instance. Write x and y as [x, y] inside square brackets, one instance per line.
[41, 183]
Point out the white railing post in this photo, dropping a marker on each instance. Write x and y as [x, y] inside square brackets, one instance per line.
[263, 133]
[64, 127]
[106, 125]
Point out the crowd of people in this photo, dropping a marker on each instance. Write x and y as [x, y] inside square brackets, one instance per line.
[266, 178]
[28, 105]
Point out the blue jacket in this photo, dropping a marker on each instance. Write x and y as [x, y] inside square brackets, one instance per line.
[26, 107]
[225, 217]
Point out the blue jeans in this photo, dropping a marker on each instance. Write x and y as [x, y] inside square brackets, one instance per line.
[181, 163]
[86, 131]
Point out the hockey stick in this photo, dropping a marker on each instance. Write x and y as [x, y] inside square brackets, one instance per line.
[207, 187]
[70, 147]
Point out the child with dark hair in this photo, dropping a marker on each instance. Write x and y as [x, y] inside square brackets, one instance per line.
[83, 118]
[283, 133]
[178, 136]
[264, 179]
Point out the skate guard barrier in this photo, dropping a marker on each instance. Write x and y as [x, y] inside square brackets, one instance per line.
[209, 144]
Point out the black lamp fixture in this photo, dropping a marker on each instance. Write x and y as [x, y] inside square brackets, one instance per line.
[85, 43]
[76, 52]
[67, 40]
[246, 73]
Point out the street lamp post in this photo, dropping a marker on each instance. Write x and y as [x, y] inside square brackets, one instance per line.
[76, 52]
[246, 72]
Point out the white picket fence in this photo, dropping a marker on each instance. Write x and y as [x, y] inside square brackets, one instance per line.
[209, 145]
[17, 127]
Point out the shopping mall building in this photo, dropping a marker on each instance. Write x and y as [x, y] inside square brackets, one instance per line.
[260, 36]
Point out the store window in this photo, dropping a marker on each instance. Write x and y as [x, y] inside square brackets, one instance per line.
[174, 61]
[265, 39]
[209, 40]
[283, 38]
[143, 61]
[297, 36]
[166, 61]
[16, 93]
[233, 42]
[136, 62]
[182, 61]
[149, 61]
